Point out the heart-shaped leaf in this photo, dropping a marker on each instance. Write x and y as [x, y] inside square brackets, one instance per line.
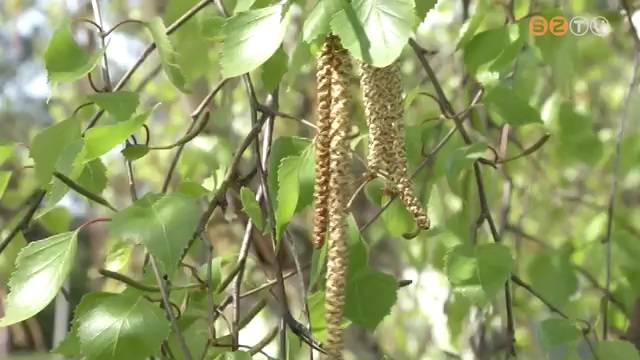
[163, 223]
[65, 60]
[121, 326]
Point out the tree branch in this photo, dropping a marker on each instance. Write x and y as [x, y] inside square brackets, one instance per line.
[484, 205]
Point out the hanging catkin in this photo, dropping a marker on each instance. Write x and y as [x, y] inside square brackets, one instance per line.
[338, 199]
[382, 97]
[380, 146]
[322, 143]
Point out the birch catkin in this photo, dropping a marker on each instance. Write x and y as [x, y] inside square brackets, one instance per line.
[380, 146]
[338, 199]
[322, 143]
[382, 97]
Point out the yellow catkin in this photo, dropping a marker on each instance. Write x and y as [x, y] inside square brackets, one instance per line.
[399, 168]
[322, 143]
[382, 97]
[338, 199]
[375, 108]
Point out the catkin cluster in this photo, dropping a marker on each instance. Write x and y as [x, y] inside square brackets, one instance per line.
[331, 193]
[382, 98]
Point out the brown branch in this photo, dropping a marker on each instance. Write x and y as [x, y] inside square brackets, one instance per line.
[614, 186]
[484, 204]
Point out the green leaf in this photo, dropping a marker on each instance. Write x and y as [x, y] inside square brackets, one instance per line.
[461, 264]
[283, 146]
[251, 207]
[517, 37]
[494, 266]
[423, 7]
[193, 189]
[120, 104]
[485, 47]
[318, 22]
[48, 146]
[289, 190]
[554, 278]
[460, 159]
[251, 38]
[369, 297]
[243, 5]
[478, 272]
[9, 255]
[509, 107]
[317, 316]
[577, 139]
[6, 151]
[358, 250]
[396, 218]
[168, 55]
[164, 224]
[212, 27]
[93, 176]
[57, 220]
[616, 350]
[375, 31]
[121, 326]
[5, 176]
[555, 332]
[100, 140]
[65, 165]
[274, 69]
[193, 46]
[41, 268]
[70, 346]
[195, 335]
[470, 28]
[236, 355]
[65, 60]
[135, 151]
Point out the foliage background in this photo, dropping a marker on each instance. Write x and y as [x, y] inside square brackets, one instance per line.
[550, 206]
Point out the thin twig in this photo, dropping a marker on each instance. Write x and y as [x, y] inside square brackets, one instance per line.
[97, 14]
[148, 50]
[614, 187]
[189, 135]
[83, 191]
[484, 205]
[167, 307]
[585, 330]
[36, 199]
[123, 22]
[231, 175]
[261, 161]
[138, 285]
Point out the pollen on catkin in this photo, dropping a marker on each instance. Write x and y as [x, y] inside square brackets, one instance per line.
[322, 142]
[382, 97]
[338, 201]
[375, 108]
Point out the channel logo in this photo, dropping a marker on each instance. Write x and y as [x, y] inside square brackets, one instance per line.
[559, 26]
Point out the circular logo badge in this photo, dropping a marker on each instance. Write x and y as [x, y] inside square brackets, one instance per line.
[538, 25]
[600, 26]
[558, 25]
[579, 26]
